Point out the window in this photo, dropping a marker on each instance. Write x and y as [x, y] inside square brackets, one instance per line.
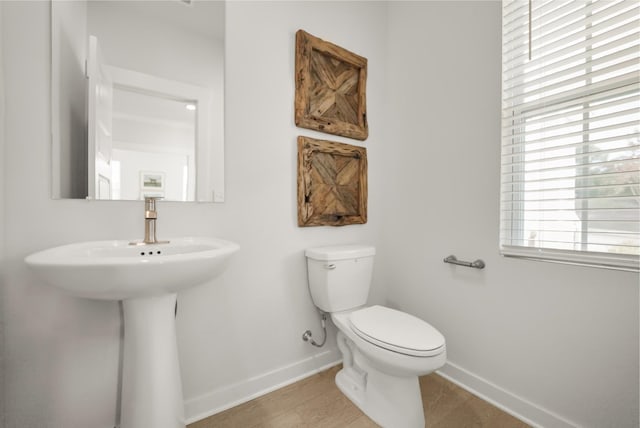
[570, 186]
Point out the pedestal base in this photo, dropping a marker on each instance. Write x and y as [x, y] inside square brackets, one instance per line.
[151, 385]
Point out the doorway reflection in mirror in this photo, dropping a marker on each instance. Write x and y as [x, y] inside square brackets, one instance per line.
[155, 103]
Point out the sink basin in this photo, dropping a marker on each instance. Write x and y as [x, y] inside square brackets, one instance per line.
[146, 278]
[116, 270]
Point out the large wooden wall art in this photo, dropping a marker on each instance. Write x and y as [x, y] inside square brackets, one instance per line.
[332, 183]
[330, 88]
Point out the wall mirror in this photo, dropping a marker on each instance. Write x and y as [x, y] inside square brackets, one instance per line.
[138, 99]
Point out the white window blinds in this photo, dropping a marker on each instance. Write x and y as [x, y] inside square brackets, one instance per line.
[570, 187]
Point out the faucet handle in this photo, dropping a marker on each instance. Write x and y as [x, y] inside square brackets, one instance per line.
[150, 217]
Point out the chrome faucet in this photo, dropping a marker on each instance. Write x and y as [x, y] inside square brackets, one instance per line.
[150, 217]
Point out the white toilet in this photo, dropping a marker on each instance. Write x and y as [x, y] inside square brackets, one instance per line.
[384, 350]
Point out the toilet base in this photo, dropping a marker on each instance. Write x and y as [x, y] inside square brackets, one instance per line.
[390, 401]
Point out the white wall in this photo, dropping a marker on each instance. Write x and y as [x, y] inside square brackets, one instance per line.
[564, 338]
[265, 304]
[60, 353]
[2, 180]
[238, 334]
[69, 48]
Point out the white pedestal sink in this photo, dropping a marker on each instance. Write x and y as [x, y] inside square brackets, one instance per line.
[146, 278]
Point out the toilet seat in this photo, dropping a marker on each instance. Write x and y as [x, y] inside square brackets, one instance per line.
[396, 331]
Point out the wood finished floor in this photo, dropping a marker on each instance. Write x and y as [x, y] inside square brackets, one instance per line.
[316, 402]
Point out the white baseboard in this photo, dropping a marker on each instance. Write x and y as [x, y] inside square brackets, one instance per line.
[232, 395]
[516, 406]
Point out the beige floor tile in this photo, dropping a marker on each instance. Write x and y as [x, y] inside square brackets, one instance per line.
[285, 420]
[440, 397]
[329, 411]
[316, 402]
[476, 413]
[362, 422]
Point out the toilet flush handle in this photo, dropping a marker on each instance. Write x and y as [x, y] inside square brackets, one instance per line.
[330, 266]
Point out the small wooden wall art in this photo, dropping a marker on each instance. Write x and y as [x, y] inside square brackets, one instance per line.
[332, 183]
[330, 88]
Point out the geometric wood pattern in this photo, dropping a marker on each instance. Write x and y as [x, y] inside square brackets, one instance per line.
[330, 88]
[332, 183]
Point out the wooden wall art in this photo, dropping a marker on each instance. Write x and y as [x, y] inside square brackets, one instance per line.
[332, 183]
[330, 88]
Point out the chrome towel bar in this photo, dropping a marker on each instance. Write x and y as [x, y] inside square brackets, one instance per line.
[478, 264]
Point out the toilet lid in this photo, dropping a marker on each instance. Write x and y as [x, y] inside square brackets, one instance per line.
[397, 331]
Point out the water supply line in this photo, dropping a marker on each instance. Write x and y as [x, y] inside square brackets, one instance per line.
[307, 334]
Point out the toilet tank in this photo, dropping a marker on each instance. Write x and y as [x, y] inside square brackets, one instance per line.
[340, 276]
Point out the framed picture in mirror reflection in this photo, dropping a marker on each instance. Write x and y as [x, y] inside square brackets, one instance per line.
[152, 180]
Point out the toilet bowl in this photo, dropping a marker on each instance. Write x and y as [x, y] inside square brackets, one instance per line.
[398, 343]
[384, 350]
[383, 382]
